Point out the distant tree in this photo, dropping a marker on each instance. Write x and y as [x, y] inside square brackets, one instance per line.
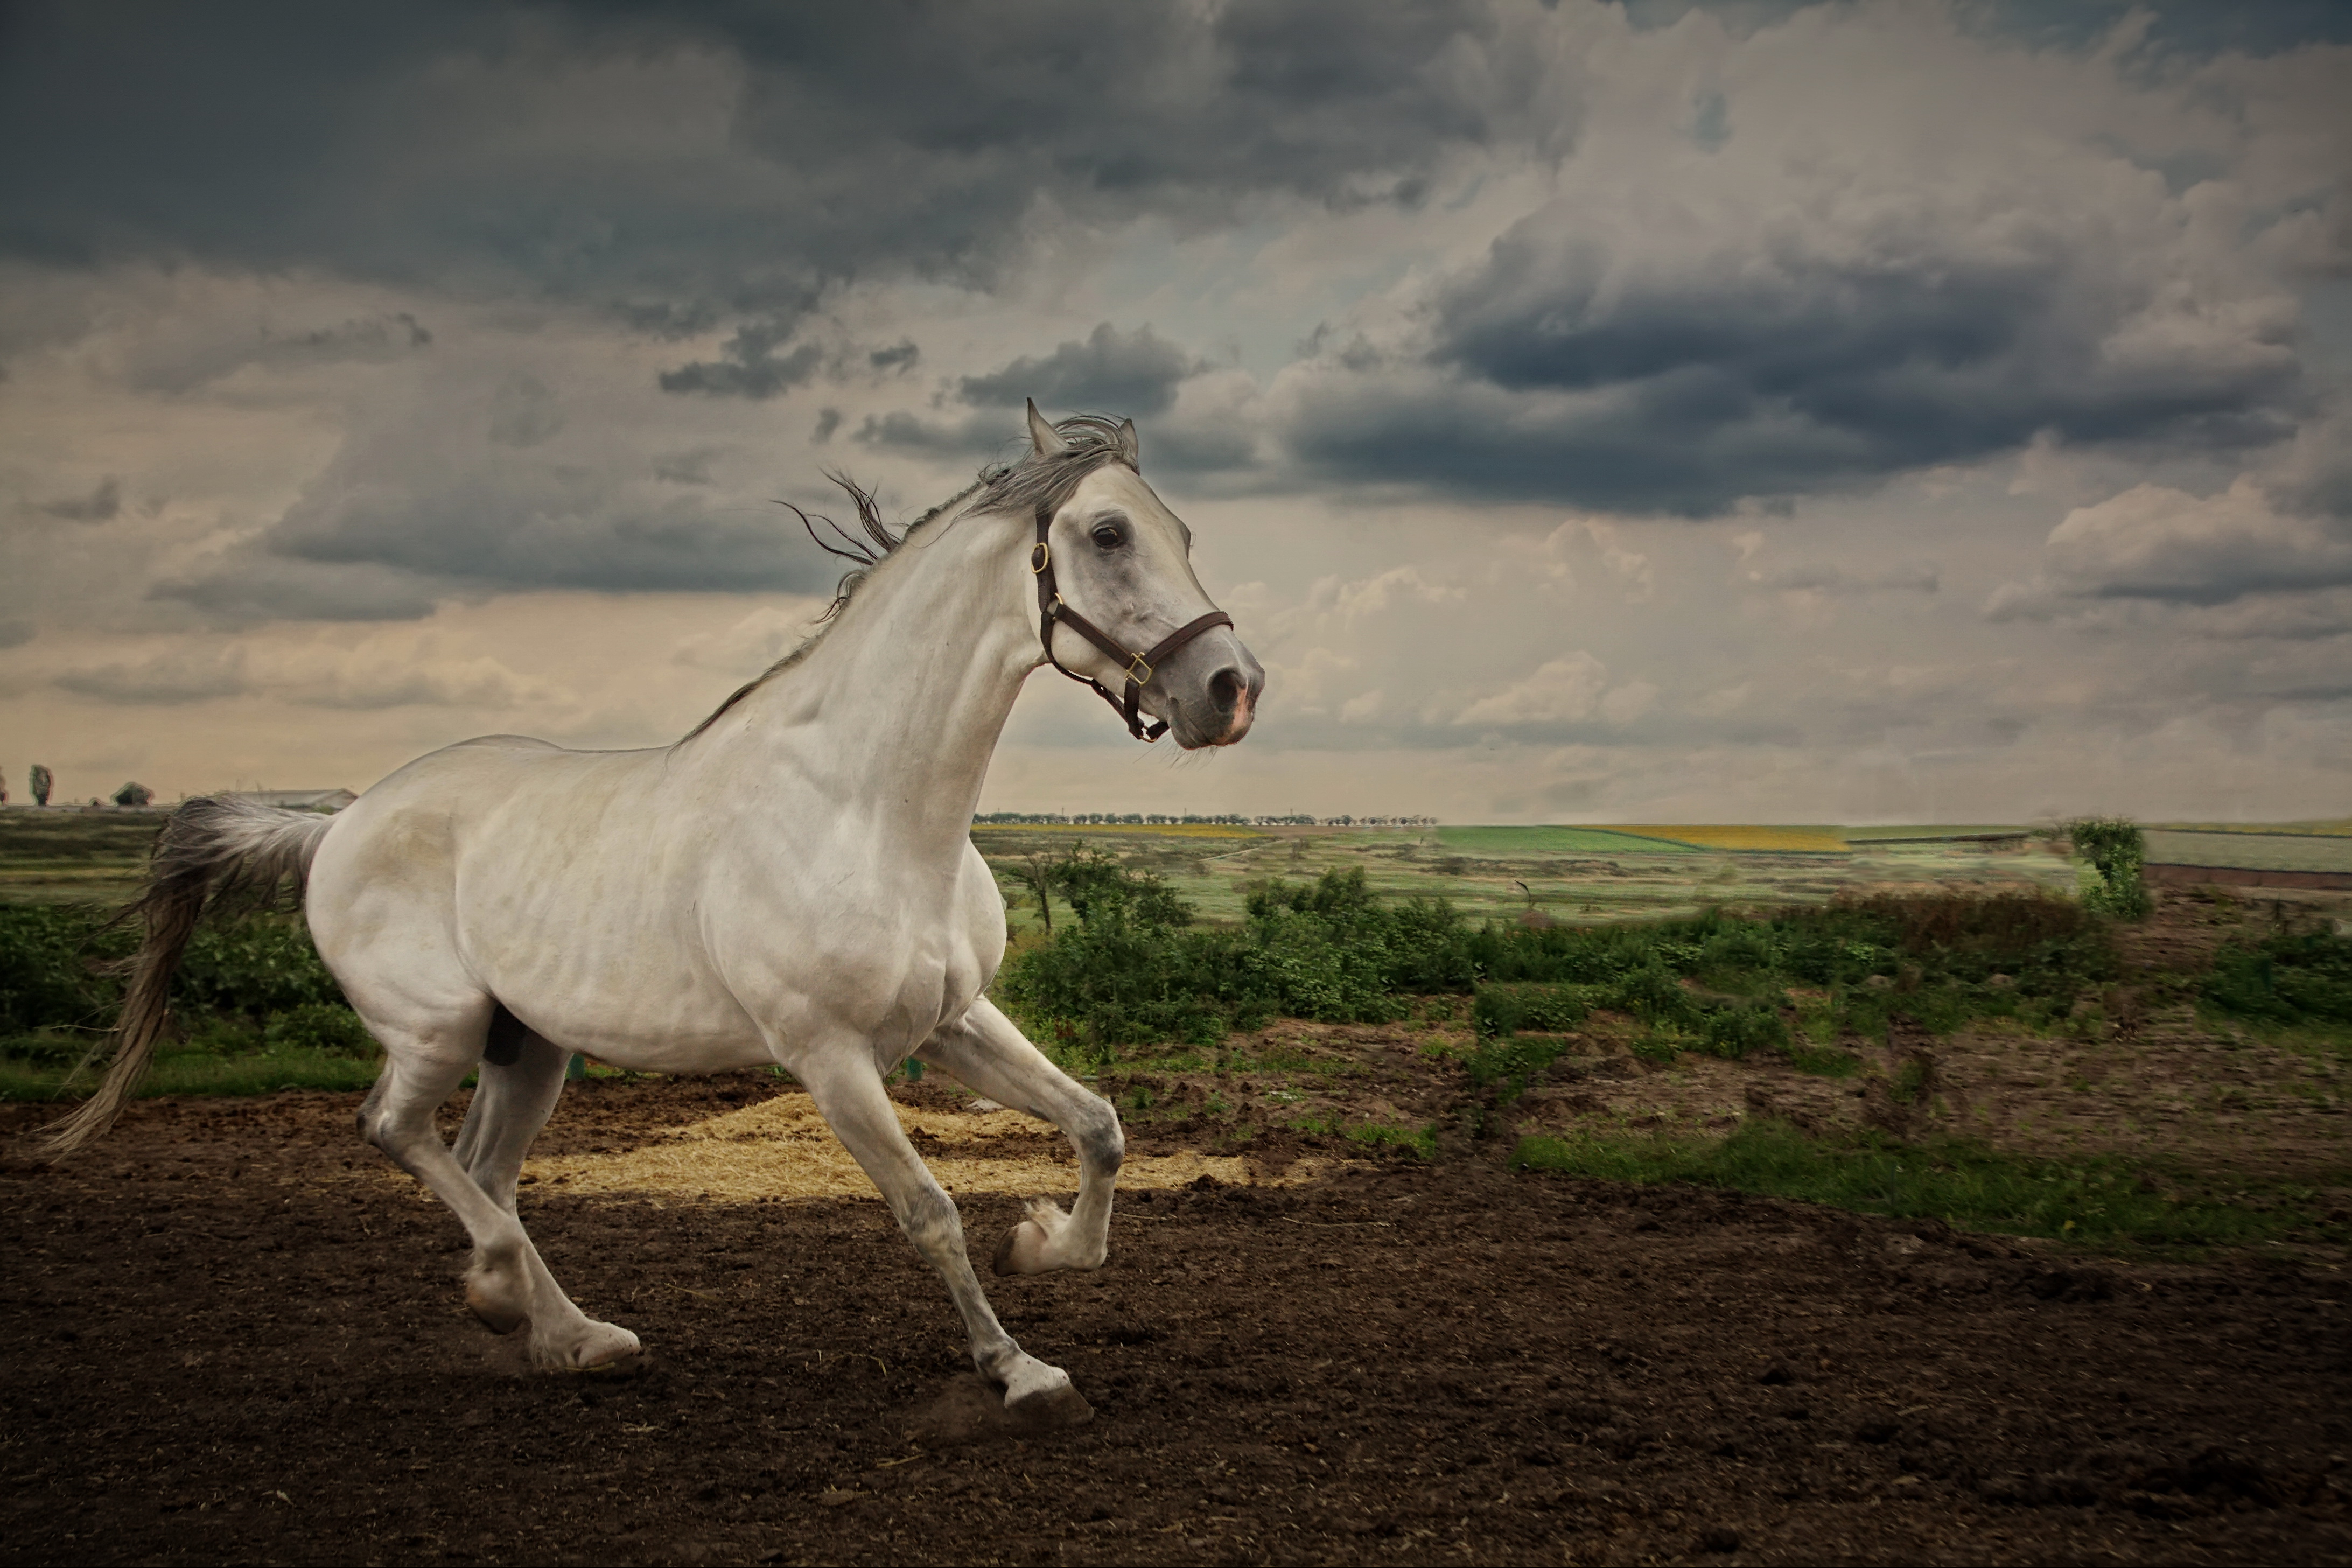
[2114, 848]
[133, 794]
[1036, 873]
[42, 780]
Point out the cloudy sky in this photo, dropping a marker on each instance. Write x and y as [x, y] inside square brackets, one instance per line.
[1907, 411]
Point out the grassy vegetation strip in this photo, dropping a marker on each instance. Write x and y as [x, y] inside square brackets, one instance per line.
[1519, 841]
[2251, 851]
[1131, 969]
[2104, 1202]
[1786, 841]
[255, 1009]
[201, 1072]
[2336, 828]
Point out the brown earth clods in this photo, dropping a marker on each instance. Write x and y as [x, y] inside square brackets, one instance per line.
[234, 1338]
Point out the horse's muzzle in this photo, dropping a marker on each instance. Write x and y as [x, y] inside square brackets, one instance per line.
[1228, 701]
[1233, 694]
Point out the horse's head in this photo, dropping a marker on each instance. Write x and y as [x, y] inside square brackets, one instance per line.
[1119, 605]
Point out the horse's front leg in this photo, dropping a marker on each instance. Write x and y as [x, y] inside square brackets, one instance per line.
[849, 1095]
[984, 1051]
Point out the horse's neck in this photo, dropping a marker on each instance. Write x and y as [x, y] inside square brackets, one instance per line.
[896, 712]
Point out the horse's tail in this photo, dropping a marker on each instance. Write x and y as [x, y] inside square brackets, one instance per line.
[210, 848]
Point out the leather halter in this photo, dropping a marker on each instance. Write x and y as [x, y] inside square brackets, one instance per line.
[1052, 610]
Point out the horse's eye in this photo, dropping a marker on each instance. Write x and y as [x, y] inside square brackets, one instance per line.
[1109, 536]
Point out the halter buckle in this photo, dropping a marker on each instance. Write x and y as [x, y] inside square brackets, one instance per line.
[1041, 556]
[1137, 664]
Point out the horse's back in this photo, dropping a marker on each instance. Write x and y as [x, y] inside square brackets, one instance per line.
[398, 851]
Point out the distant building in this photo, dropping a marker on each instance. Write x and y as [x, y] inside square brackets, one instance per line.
[297, 799]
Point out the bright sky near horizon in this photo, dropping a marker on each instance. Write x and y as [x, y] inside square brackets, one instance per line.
[1753, 412]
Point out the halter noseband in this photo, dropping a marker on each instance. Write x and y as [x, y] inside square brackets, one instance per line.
[1052, 610]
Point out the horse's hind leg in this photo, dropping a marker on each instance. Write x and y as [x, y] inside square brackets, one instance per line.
[849, 1094]
[986, 1052]
[512, 1101]
[507, 1283]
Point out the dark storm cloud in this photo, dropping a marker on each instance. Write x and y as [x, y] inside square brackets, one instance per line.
[689, 163]
[1106, 372]
[1565, 368]
[1128, 374]
[524, 413]
[103, 504]
[408, 515]
[2272, 550]
[177, 364]
[509, 526]
[2195, 27]
[749, 366]
[155, 684]
[250, 584]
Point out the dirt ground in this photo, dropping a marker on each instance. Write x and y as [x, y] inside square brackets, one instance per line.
[237, 1336]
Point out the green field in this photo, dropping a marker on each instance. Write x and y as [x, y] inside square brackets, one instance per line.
[1566, 875]
[73, 856]
[2250, 851]
[1574, 875]
[2328, 827]
[1508, 843]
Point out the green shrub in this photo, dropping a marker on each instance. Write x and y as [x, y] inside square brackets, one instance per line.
[54, 967]
[2114, 848]
[2284, 978]
[326, 1027]
[1514, 1061]
[1506, 1009]
[1734, 1032]
[1133, 970]
[256, 966]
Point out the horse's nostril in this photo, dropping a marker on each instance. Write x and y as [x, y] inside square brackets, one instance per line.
[1225, 688]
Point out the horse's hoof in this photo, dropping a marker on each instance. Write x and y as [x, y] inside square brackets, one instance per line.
[604, 1348]
[1048, 1409]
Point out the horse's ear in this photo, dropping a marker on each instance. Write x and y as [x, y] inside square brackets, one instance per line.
[1043, 439]
[1129, 447]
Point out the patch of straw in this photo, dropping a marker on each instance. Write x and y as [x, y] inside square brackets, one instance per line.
[783, 1148]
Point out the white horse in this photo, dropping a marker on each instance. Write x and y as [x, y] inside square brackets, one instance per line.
[793, 883]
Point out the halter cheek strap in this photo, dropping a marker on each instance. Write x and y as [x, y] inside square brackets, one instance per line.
[1052, 610]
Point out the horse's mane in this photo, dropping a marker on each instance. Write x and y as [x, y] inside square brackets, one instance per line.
[1038, 480]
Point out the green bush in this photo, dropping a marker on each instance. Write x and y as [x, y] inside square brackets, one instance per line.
[1514, 1061]
[1506, 1009]
[1131, 969]
[2115, 848]
[256, 966]
[2284, 978]
[1735, 1031]
[247, 985]
[54, 970]
[326, 1027]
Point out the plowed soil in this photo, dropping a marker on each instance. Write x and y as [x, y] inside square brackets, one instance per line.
[233, 1337]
